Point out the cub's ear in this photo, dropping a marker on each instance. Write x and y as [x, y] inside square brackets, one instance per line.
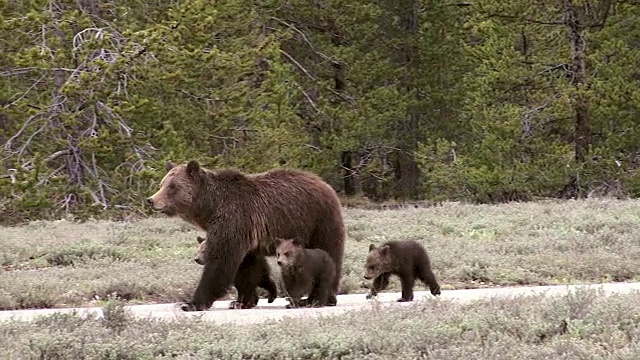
[200, 239]
[295, 242]
[169, 165]
[384, 250]
[193, 167]
[371, 247]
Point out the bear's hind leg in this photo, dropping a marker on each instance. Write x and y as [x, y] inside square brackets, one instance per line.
[266, 282]
[321, 294]
[407, 281]
[330, 237]
[248, 278]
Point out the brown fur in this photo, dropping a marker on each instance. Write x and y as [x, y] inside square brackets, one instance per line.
[406, 259]
[254, 271]
[308, 272]
[242, 213]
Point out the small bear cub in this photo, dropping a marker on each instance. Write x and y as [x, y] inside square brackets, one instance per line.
[406, 259]
[308, 272]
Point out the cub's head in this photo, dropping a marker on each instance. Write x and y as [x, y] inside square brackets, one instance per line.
[378, 261]
[289, 252]
[178, 189]
[201, 255]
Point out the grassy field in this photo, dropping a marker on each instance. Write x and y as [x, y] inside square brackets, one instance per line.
[580, 325]
[62, 263]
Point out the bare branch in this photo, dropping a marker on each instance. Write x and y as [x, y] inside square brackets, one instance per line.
[526, 20]
[45, 179]
[298, 65]
[56, 155]
[11, 175]
[23, 95]
[9, 143]
[20, 71]
[313, 104]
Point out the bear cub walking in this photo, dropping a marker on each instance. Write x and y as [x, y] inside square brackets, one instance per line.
[308, 272]
[406, 259]
[254, 271]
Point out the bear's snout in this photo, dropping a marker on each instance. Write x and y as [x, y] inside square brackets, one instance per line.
[150, 201]
[197, 261]
[367, 277]
[279, 263]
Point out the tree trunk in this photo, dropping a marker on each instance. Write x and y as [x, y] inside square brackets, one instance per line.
[350, 188]
[407, 173]
[349, 175]
[578, 79]
[73, 156]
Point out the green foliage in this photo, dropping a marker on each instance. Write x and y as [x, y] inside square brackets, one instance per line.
[521, 107]
[405, 99]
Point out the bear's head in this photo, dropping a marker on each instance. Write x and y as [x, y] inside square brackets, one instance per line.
[289, 253]
[178, 189]
[378, 261]
[201, 255]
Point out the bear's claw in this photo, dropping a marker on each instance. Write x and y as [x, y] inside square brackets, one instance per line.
[241, 305]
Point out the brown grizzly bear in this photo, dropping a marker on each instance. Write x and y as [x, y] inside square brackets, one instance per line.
[308, 272]
[406, 259]
[242, 213]
[254, 271]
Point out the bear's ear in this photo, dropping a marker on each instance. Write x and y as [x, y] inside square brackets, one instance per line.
[193, 167]
[169, 165]
[295, 242]
[384, 250]
[371, 247]
[200, 239]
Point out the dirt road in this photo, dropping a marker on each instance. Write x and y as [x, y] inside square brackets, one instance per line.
[220, 313]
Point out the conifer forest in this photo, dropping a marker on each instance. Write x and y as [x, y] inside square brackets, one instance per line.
[483, 101]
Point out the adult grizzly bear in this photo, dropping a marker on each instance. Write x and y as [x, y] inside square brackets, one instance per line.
[254, 271]
[242, 213]
[406, 259]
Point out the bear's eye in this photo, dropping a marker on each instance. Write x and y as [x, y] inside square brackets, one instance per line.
[371, 267]
[172, 186]
[286, 253]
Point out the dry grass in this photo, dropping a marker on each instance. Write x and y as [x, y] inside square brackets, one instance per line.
[580, 325]
[62, 263]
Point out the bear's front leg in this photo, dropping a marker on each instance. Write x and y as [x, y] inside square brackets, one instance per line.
[379, 283]
[217, 276]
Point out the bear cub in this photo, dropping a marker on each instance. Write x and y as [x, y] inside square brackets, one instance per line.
[308, 272]
[254, 271]
[406, 259]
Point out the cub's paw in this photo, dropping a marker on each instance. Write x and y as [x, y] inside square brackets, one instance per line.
[193, 307]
